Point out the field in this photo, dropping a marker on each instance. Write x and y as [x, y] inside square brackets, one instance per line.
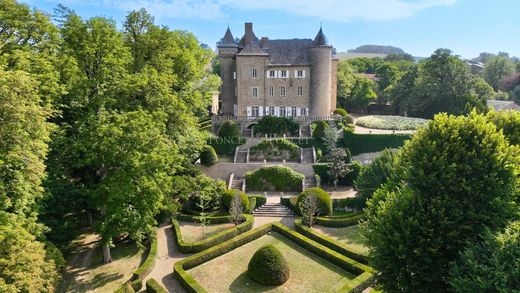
[347, 235]
[192, 232]
[308, 272]
[390, 122]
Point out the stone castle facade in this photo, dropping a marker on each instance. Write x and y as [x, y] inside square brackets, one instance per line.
[293, 77]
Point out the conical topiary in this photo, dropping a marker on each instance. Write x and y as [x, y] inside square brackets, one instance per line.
[268, 267]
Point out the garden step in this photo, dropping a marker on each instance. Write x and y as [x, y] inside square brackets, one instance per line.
[273, 210]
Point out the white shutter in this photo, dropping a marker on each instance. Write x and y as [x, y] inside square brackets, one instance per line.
[267, 74]
[304, 74]
[296, 74]
[260, 111]
[248, 111]
[279, 73]
[276, 111]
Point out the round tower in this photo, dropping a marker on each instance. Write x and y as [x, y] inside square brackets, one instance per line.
[227, 51]
[321, 76]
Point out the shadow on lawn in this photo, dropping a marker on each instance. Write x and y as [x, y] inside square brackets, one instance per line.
[244, 284]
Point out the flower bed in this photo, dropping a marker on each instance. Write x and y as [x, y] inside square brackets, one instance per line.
[278, 149]
[390, 122]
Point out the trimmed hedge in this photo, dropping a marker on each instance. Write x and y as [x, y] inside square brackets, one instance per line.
[152, 286]
[274, 178]
[290, 202]
[336, 222]
[125, 288]
[268, 266]
[362, 281]
[320, 169]
[226, 146]
[272, 125]
[324, 201]
[274, 149]
[208, 157]
[136, 282]
[351, 203]
[367, 143]
[329, 242]
[213, 240]
[229, 129]
[228, 195]
[319, 130]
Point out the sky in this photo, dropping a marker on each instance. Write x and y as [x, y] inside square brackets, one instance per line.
[467, 27]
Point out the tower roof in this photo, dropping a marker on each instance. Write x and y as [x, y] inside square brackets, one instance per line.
[228, 40]
[320, 39]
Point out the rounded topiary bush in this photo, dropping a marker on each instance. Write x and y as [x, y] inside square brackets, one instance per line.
[274, 178]
[229, 129]
[208, 157]
[228, 195]
[319, 130]
[268, 267]
[324, 201]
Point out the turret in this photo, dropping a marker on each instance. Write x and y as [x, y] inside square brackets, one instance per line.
[321, 68]
[227, 51]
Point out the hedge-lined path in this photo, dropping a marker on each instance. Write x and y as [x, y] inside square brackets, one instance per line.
[363, 130]
[167, 255]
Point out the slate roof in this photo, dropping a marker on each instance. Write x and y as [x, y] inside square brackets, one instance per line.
[293, 51]
[502, 105]
[320, 39]
[228, 40]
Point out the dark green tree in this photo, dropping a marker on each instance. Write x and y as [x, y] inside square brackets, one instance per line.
[374, 175]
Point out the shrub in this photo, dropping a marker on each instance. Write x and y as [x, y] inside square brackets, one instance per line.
[228, 195]
[275, 149]
[268, 267]
[324, 201]
[226, 146]
[274, 178]
[259, 201]
[321, 170]
[368, 143]
[319, 130]
[341, 112]
[152, 286]
[391, 122]
[229, 129]
[208, 157]
[272, 125]
[374, 175]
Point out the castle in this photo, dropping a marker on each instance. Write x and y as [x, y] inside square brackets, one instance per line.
[293, 77]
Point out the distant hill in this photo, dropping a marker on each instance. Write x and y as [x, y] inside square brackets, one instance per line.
[377, 49]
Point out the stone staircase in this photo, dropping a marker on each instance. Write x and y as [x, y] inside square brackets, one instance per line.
[237, 183]
[309, 182]
[307, 156]
[306, 131]
[273, 210]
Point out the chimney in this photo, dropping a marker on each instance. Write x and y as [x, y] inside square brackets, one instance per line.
[249, 27]
[264, 43]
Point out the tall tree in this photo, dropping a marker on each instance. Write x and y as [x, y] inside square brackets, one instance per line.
[456, 178]
[496, 69]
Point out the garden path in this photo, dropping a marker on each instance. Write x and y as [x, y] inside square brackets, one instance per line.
[363, 130]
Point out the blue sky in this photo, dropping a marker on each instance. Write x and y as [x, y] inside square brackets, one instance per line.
[467, 27]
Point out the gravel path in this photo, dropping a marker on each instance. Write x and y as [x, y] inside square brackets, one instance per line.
[363, 130]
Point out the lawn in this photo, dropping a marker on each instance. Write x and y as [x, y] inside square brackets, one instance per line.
[87, 273]
[347, 235]
[192, 232]
[308, 272]
[390, 122]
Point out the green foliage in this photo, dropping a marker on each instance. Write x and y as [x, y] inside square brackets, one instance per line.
[390, 122]
[277, 149]
[368, 143]
[152, 286]
[268, 267]
[228, 196]
[274, 178]
[457, 178]
[226, 146]
[340, 111]
[212, 240]
[194, 189]
[374, 175]
[337, 165]
[361, 94]
[509, 123]
[491, 265]
[272, 125]
[324, 201]
[229, 129]
[497, 68]
[259, 201]
[321, 170]
[208, 157]
[342, 221]
[319, 129]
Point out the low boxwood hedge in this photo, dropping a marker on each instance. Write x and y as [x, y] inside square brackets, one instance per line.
[362, 281]
[274, 178]
[324, 201]
[259, 201]
[136, 282]
[367, 143]
[228, 195]
[335, 222]
[152, 286]
[321, 170]
[329, 242]
[213, 240]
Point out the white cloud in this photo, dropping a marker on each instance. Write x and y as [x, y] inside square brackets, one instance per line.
[331, 10]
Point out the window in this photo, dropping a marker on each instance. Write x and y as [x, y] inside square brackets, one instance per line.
[255, 111]
[283, 73]
[303, 111]
[270, 111]
[283, 111]
[293, 111]
[282, 91]
[272, 74]
[300, 73]
[255, 92]
[254, 73]
[300, 91]
[271, 91]
[234, 75]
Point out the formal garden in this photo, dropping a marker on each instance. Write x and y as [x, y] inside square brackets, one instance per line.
[390, 122]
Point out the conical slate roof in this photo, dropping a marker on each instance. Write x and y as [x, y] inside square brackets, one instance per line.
[320, 39]
[227, 40]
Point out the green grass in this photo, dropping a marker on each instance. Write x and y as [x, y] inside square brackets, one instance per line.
[350, 236]
[228, 273]
[390, 122]
[192, 232]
